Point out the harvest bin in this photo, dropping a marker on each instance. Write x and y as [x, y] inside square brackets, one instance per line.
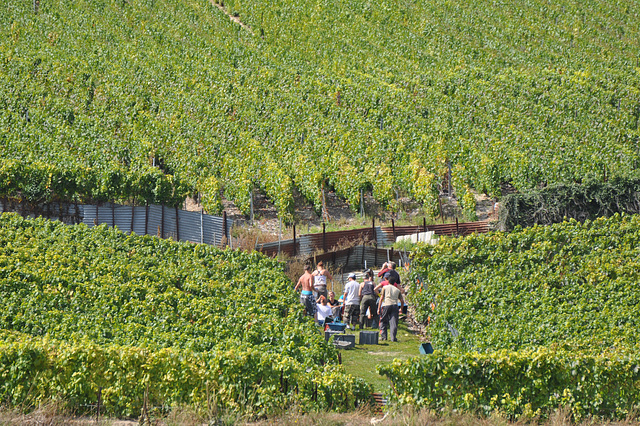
[329, 333]
[336, 326]
[347, 341]
[426, 348]
[368, 338]
[372, 323]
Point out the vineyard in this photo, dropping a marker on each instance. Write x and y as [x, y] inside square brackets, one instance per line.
[529, 321]
[153, 100]
[151, 322]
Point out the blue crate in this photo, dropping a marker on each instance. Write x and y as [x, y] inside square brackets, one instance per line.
[337, 326]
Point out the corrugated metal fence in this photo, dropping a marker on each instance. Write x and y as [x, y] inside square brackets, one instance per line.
[357, 257]
[162, 221]
[306, 245]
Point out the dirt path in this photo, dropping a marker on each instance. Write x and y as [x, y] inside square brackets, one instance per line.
[233, 18]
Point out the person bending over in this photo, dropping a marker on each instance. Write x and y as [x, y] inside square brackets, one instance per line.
[324, 311]
[336, 307]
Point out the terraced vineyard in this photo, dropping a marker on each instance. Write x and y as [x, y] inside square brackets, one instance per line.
[529, 321]
[345, 95]
[144, 320]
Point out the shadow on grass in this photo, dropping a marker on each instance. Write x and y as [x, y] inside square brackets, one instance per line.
[363, 359]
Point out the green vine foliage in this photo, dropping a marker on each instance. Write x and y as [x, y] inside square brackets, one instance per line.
[527, 384]
[526, 321]
[559, 202]
[40, 182]
[346, 98]
[88, 308]
[247, 381]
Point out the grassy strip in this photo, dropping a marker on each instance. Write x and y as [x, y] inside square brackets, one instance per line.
[362, 361]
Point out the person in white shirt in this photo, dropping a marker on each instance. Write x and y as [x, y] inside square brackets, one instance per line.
[324, 311]
[351, 301]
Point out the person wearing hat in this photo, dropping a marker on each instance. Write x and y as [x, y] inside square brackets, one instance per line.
[351, 301]
[385, 281]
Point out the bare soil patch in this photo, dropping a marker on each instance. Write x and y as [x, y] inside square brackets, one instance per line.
[266, 226]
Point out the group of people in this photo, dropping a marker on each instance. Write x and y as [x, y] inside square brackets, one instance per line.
[378, 302]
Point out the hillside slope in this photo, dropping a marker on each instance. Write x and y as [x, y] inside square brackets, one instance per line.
[347, 95]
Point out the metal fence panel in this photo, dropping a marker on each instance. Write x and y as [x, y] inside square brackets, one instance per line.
[170, 224]
[80, 212]
[77, 211]
[214, 231]
[383, 238]
[56, 211]
[123, 218]
[357, 257]
[90, 215]
[210, 235]
[272, 248]
[195, 227]
[306, 247]
[189, 226]
[139, 220]
[155, 221]
[105, 215]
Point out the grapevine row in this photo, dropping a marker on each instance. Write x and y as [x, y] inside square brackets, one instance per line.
[528, 321]
[85, 309]
[325, 96]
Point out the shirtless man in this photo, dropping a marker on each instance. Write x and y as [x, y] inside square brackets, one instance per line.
[305, 282]
[320, 277]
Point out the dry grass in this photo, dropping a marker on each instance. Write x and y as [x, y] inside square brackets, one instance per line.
[294, 269]
[246, 237]
[295, 418]
[186, 416]
[408, 416]
[52, 414]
